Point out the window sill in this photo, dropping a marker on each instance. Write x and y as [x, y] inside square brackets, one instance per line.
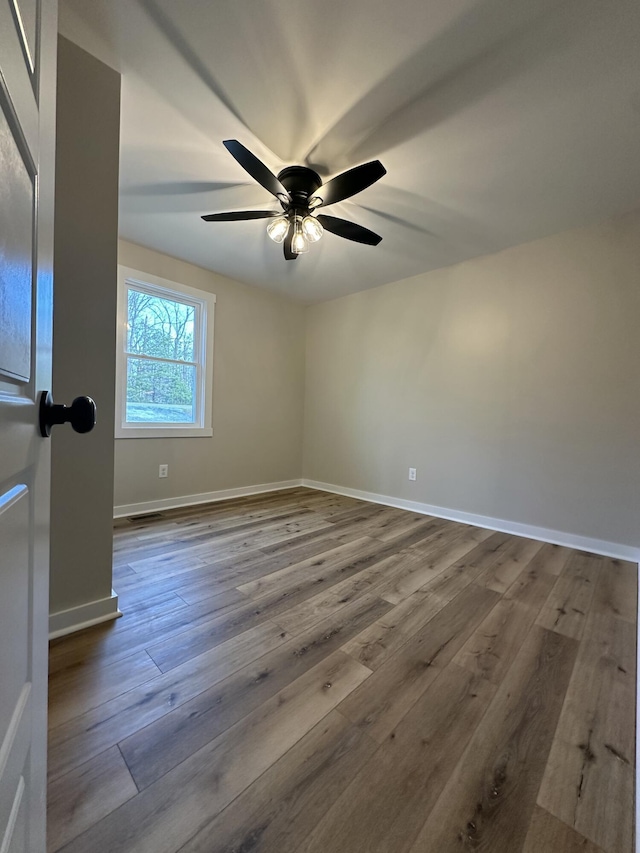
[163, 432]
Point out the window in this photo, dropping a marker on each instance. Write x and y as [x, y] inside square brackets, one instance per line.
[165, 358]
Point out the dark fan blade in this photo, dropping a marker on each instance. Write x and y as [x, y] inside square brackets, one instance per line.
[351, 182]
[288, 254]
[235, 215]
[255, 168]
[349, 230]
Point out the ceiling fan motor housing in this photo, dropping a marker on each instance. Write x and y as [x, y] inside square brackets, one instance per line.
[301, 183]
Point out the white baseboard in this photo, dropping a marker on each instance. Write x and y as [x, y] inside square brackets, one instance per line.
[84, 616]
[555, 537]
[126, 510]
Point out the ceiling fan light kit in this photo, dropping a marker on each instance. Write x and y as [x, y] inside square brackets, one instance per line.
[298, 240]
[312, 228]
[278, 228]
[300, 192]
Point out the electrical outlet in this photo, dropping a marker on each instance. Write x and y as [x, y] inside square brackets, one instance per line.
[412, 473]
[163, 471]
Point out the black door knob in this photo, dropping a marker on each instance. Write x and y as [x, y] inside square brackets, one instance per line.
[81, 414]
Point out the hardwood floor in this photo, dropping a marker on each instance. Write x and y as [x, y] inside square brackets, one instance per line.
[300, 672]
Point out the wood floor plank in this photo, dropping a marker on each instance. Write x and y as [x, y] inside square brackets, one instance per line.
[219, 516]
[301, 616]
[488, 802]
[130, 588]
[170, 558]
[403, 523]
[386, 682]
[180, 804]
[88, 734]
[550, 559]
[616, 592]
[157, 748]
[379, 704]
[444, 549]
[122, 571]
[150, 525]
[566, 608]
[362, 514]
[349, 529]
[153, 606]
[189, 533]
[450, 582]
[169, 564]
[377, 643]
[384, 807]
[188, 644]
[78, 799]
[75, 690]
[281, 580]
[172, 527]
[532, 587]
[129, 634]
[279, 809]
[509, 563]
[227, 575]
[547, 833]
[231, 543]
[304, 540]
[332, 506]
[589, 779]
[323, 574]
[184, 541]
[422, 531]
[493, 646]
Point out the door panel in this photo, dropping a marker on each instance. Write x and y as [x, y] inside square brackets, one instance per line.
[14, 603]
[17, 778]
[25, 13]
[28, 33]
[18, 822]
[22, 86]
[16, 250]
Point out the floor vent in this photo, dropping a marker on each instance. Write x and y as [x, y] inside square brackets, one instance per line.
[146, 517]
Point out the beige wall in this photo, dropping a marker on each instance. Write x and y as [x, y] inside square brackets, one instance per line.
[258, 388]
[511, 382]
[84, 322]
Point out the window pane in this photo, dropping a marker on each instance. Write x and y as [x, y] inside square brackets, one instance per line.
[159, 327]
[159, 392]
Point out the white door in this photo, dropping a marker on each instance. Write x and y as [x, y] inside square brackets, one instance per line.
[28, 43]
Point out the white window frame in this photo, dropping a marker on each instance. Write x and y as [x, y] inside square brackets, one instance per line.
[203, 347]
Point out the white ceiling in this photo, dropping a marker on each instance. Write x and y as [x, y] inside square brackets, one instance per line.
[498, 121]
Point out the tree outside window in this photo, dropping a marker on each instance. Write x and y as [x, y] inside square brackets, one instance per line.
[161, 387]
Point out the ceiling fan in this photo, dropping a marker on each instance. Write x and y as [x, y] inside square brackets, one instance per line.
[300, 191]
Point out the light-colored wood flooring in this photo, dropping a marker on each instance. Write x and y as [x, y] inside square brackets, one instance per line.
[300, 672]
